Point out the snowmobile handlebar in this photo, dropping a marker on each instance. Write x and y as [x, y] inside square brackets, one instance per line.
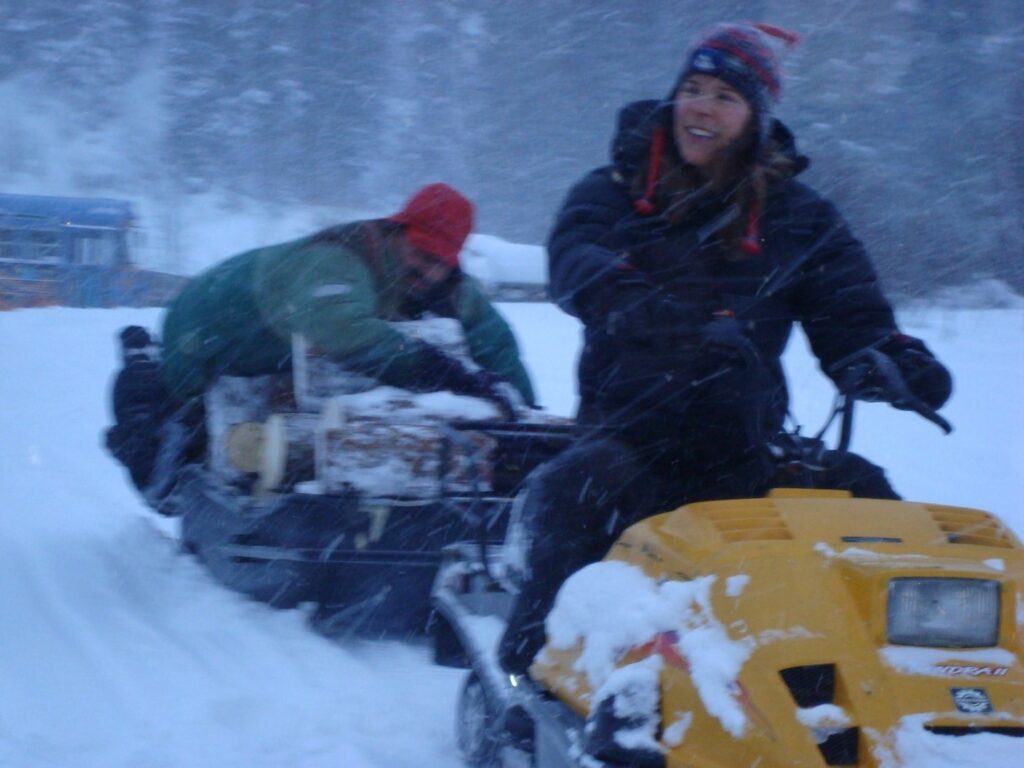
[790, 448]
[873, 376]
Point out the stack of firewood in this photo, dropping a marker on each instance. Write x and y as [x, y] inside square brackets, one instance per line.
[328, 430]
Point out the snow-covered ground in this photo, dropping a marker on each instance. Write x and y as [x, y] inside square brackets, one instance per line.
[117, 650]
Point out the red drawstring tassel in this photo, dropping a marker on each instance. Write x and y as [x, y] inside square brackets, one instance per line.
[751, 242]
[645, 205]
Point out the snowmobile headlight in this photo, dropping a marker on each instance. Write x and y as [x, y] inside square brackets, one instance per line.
[943, 613]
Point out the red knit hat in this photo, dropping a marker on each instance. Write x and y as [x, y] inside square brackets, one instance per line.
[437, 221]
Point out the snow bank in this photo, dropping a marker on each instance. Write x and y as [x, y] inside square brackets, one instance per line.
[116, 650]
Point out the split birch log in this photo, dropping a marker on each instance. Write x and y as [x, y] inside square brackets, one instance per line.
[244, 446]
[391, 442]
[287, 455]
[380, 458]
[233, 401]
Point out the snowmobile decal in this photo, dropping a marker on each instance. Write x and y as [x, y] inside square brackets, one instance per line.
[972, 700]
[663, 644]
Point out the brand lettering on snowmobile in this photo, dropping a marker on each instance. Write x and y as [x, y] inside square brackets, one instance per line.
[972, 700]
[872, 540]
[966, 671]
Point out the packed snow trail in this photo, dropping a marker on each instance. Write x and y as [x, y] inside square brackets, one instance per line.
[128, 655]
[118, 650]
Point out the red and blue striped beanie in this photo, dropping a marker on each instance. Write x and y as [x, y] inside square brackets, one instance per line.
[743, 56]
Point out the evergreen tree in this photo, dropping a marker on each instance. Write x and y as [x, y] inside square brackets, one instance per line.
[909, 110]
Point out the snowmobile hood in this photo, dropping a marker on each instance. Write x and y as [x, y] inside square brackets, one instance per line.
[801, 629]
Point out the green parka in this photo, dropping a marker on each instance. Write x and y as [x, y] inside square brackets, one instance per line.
[341, 289]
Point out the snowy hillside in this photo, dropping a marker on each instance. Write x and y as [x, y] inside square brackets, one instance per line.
[117, 650]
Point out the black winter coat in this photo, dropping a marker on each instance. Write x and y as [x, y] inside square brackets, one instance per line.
[811, 270]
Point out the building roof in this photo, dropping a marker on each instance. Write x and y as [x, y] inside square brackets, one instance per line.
[30, 211]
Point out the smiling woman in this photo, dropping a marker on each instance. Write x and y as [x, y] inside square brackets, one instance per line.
[710, 118]
[689, 260]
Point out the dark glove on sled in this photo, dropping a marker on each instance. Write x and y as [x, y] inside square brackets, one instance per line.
[924, 375]
[438, 370]
[501, 393]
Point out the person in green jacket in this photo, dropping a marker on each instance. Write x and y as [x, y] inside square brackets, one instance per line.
[343, 289]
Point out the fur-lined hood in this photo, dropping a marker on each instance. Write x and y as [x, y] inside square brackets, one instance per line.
[631, 145]
[648, 164]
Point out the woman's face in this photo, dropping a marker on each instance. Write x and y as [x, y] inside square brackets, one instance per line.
[710, 115]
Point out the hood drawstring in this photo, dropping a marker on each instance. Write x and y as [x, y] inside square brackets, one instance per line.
[645, 205]
[751, 242]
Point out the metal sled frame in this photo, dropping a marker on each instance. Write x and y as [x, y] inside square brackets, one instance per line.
[367, 563]
[538, 729]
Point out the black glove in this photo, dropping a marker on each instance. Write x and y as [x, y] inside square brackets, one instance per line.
[724, 337]
[635, 310]
[873, 375]
[490, 387]
[925, 376]
[438, 370]
[899, 369]
[499, 392]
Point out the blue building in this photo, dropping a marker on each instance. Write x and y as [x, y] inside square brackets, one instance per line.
[74, 252]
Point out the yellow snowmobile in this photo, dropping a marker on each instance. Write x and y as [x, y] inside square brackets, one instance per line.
[806, 628]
